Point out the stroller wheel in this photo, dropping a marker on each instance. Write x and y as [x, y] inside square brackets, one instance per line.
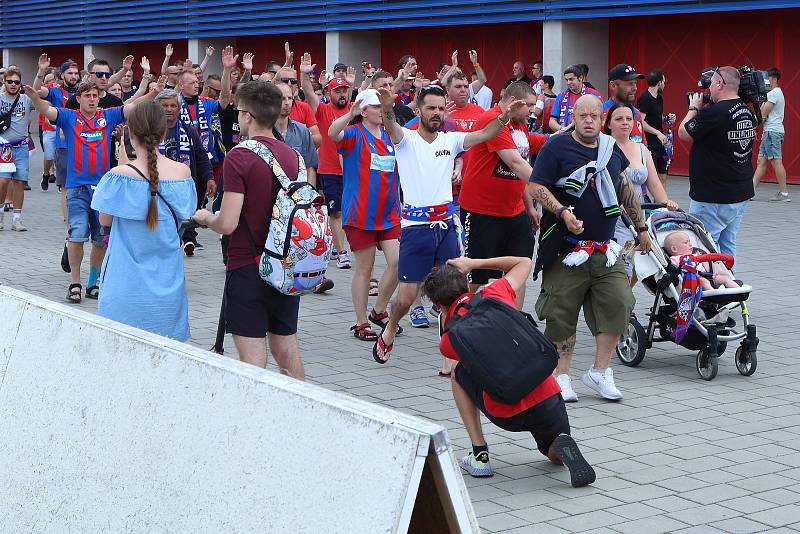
[746, 361]
[721, 346]
[707, 365]
[631, 348]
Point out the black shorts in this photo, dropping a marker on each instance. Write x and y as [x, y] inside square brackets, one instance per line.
[486, 236]
[332, 185]
[253, 308]
[545, 421]
[659, 157]
[61, 167]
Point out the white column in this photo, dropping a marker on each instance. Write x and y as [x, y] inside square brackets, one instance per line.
[26, 59]
[566, 42]
[352, 48]
[114, 53]
[197, 53]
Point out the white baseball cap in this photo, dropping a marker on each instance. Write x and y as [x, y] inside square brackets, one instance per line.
[367, 97]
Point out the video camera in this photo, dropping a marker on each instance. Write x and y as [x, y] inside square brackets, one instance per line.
[753, 87]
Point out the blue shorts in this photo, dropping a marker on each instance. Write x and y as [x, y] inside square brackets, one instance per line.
[771, 146]
[422, 248]
[331, 185]
[21, 160]
[49, 145]
[83, 221]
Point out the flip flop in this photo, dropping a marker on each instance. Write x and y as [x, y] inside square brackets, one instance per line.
[387, 349]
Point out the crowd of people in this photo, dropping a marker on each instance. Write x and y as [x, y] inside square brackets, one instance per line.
[450, 182]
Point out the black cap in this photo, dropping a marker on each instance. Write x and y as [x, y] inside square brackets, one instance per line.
[339, 66]
[624, 72]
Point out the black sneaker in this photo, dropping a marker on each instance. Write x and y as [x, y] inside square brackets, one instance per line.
[27, 186]
[65, 260]
[45, 182]
[198, 246]
[52, 178]
[6, 207]
[568, 452]
[188, 248]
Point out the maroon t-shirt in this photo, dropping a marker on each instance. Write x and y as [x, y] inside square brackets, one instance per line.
[245, 172]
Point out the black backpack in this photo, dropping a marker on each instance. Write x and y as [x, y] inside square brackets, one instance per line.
[501, 348]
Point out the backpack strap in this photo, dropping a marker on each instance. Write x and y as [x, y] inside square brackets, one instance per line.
[261, 150]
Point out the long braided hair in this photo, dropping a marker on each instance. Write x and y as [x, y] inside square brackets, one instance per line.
[148, 124]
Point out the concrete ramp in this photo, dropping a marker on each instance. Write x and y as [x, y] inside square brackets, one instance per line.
[106, 428]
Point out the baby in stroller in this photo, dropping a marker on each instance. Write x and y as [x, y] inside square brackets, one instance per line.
[678, 244]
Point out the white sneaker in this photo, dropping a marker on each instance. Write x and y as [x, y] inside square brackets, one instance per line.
[565, 383]
[602, 383]
[18, 227]
[781, 197]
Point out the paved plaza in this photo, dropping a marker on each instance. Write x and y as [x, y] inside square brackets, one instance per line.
[678, 454]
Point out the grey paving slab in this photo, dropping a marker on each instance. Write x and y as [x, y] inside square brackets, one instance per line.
[674, 449]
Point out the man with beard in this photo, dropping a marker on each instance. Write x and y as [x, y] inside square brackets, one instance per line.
[14, 144]
[651, 105]
[330, 167]
[574, 77]
[622, 90]
[425, 160]
[182, 143]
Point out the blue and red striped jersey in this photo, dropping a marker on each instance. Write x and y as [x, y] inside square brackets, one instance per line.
[371, 189]
[88, 143]
[58, 96]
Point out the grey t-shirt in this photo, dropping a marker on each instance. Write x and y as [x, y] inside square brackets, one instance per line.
[774, 122]
[299, 138]
[20, 117]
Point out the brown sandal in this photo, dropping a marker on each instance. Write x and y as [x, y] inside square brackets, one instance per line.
[363, 332]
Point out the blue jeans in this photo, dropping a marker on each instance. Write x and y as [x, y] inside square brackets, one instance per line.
[21, 162]
[722, 222]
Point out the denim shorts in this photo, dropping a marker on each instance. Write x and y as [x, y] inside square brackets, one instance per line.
[21, 160]
[83, 221]
[49, 145]
[771, 146]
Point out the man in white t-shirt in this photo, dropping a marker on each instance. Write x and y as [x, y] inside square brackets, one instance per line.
[772, 141]
[425, 160]
[483, 96]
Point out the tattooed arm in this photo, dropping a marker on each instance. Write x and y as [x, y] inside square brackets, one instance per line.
[394, 130]
[543, 196]
[629, 201]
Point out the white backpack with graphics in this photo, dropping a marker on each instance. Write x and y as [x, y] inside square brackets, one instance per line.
[299, 242]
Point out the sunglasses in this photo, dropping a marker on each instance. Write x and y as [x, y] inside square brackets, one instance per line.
[102, 74]
[13, 82]
[291, 81]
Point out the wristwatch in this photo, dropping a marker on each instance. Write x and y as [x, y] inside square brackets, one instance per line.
[501, 121]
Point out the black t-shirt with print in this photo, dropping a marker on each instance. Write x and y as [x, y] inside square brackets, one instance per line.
[229, 121]
[653, 109]
[721, 158]
[560, 156]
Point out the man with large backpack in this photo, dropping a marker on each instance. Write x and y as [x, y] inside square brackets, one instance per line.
[505, 364]
[255, 311]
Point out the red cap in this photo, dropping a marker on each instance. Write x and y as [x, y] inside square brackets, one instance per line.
[337, 82]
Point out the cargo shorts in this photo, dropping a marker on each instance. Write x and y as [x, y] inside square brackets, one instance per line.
[603, 292]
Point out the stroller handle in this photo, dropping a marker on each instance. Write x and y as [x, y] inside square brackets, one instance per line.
[655, 206]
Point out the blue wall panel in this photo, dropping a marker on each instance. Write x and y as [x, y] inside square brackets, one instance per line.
[32, 22]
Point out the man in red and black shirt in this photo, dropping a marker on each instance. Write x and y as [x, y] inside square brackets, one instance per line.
[541, 412]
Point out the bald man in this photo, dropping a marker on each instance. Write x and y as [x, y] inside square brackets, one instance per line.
[581, 265]
[721, 159]
[518, 73]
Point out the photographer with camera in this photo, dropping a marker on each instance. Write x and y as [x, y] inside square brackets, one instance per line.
[722, 132]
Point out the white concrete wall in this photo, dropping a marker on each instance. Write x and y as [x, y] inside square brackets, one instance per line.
[352, 48]
[566, 42]
[114, 53]
[106, 428]
[197, 52]
[26, 59]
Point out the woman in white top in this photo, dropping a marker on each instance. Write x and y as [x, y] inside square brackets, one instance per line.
[641, 172]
